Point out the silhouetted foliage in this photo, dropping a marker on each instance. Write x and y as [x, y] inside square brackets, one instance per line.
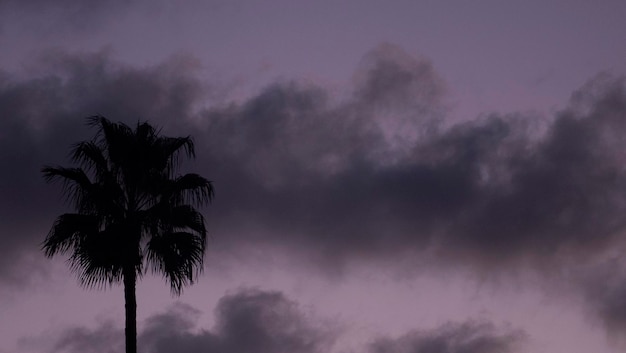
[132, 211]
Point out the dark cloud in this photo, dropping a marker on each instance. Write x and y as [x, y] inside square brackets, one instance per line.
[371, 176]
[42, 116]
[487, 192]
[291, 162]
[468, 337]
[565, 194]
[249, 320]
[368, 177]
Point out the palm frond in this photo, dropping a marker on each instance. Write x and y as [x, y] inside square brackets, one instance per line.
[192, 188]
[172, 145]
[117, 139]
[76, 183]
[162, 218]
[100, 258]
[186, 217]
[145, 132]
[178, 256]
[76, 175]
[68, 232]
[92, 275]
[90, 156]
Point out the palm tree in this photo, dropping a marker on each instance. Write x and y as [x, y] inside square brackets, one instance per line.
[131, 208]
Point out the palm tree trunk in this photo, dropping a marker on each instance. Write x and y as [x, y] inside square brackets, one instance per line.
[130, 305]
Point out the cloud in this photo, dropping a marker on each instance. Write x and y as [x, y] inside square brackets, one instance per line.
[42, 116]
[490, 192]
[371, 176]
[603, 288]
[565, 194]
[39, 23]
[367, 178]
[252, 320]
[63, 16]
[106, 338]
[291, 131]
[467, 337]
[389, 78]
[247, 320]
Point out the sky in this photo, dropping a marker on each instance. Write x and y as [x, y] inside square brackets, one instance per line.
[390, 176]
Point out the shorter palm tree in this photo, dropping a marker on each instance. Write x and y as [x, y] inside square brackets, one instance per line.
[131, 207]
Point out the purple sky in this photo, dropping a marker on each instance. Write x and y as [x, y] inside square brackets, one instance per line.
[391, 177]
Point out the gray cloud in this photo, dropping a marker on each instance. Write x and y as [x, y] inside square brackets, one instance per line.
[388, 79]
[249, 320]
[43, 115]
[61, 16]
[106, 338]
[564, 197]
[604, 291]
[467, 337]
[487, 192]
[56, 21]
[365, 178]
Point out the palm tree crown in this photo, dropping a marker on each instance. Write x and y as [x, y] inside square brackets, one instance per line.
[131, 207]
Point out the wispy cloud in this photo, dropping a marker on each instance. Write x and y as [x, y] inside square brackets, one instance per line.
[466, 337]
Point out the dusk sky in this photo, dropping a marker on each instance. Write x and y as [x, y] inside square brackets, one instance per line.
[390, 176]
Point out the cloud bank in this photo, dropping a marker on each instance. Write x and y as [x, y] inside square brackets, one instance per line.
[248, 320]
[490, 192]
[375, 176]
[251, 320]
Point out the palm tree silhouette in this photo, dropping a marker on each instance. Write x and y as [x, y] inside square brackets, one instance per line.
[130, 206]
